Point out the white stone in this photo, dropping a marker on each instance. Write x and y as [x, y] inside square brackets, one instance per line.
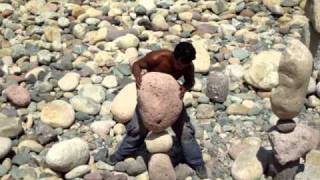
[110, 81]
[84, 104]
[159, 142]
[127, 41]
[68, 154]
[119, 129]
[102, 128]
[103, 58]
[202, 61]
[69, 81]
[78, 172]
[124, 104]
[5, 147]
[94, 92]
[57, 114]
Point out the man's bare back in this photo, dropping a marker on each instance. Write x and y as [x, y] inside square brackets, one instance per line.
[169, 62]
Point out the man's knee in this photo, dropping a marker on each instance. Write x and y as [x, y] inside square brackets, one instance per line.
[188, 132]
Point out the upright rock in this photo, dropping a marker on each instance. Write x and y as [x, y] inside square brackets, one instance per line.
[294, 73]
[124, 104]
[217, 87]
[160, 168]
[159, 101]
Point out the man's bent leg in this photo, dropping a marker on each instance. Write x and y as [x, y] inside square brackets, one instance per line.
[185, 133]
[136, 133]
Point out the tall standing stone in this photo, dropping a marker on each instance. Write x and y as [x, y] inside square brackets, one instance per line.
[217, 87]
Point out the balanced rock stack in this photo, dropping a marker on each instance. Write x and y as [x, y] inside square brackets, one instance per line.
[289, 140]
[159, 106]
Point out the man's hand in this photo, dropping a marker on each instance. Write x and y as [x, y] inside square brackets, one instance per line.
[182, 91]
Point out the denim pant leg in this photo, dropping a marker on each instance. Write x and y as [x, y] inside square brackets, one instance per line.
[136, 133]
[185, 133]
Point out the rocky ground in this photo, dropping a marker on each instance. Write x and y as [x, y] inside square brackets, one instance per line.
[67, 86]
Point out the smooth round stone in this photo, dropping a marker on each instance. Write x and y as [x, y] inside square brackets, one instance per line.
[127, 41]
[5, 148]
[18, 95]
[285, 125]
[102, 128]
[78, 172]
[85, 105]
[30, 144]
[69, 81]
[125, 99]
[110, 81]
[159, 142]
[68, 154]
[63, 22]
[57, 114]
[119, 129]
[94, 92]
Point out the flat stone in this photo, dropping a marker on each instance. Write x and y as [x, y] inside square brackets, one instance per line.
[69, 81]
[285, 126]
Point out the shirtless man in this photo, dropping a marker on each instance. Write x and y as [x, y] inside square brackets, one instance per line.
[177, 63]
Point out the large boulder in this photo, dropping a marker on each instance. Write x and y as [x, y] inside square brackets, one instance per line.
[263, 70]
[68, 154]
[217, 86]
[160, 167]
[295, 70]
[291, 146]
[159, 101]
[124, 104]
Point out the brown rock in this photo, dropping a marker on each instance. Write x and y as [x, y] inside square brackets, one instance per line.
[217, 87]
[18, 95]
[285, 125]
[160, 168]
[291, 146]
[294, 73]
[159, 101]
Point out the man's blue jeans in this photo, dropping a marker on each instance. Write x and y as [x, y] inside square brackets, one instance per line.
[184, 130]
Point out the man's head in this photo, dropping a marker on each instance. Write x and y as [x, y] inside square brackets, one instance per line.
[184, 52]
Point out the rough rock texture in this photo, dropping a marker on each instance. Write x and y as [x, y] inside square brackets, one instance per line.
[159, 142]
[126, 99]
[18, 95]
[295, 70]
[263, 71]
[291, 146]
[247, 166]
[58, 114]
[68, 154]
[217, 87]
[160, 168]
[159, 101]
[313, 12]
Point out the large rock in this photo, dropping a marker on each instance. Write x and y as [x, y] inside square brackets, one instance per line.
[5, 147]
[69, 81]
[313, 12]
[291, 146]
[159, 142]
[202, 61]
[58, 114]
[10, 126]
[247, 166]
[263, 70]
[124, 104]
[295, 70]
[160, 167]
[68, 154]
[217, 87]
[159, 101]
[18, 95]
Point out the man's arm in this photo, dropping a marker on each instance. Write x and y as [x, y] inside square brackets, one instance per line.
[189, 81]
[147, 62]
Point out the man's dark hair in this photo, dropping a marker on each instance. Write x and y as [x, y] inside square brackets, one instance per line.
[185, 52]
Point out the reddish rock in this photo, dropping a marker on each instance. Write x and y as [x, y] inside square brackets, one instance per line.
[93, 176]
[159, 101]
[18, 95]
[160, 167]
